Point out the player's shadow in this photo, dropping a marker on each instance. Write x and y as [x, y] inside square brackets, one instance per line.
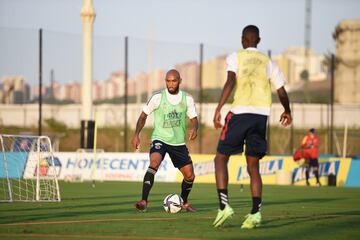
[303, 201]
[215, 205]
[201, 206]
[99, 197]
[71, 203]
[72, 213]
[279, 222]
[65, 215]
[288, 221]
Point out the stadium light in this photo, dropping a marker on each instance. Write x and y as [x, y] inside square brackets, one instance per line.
[87, 125]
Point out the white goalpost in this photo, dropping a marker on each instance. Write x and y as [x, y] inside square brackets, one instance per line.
[28, 169]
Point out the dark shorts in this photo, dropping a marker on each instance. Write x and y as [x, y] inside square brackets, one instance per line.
[179, 154]
[312, 162]
[240, 129]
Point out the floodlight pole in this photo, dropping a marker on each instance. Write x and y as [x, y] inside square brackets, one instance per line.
[87, 125]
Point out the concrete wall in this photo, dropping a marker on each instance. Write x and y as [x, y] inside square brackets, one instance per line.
[305, 115]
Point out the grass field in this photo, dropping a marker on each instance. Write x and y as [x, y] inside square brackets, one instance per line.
[107, 212]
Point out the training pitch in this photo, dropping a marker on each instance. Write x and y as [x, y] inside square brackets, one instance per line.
[107, 212]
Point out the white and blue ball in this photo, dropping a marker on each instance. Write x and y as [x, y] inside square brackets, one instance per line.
[173, 203]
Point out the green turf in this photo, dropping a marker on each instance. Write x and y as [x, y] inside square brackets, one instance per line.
[289, 212]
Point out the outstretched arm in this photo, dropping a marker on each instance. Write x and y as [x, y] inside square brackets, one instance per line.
[228, 87]
[285, 118]
[139, 126]
[194, 128]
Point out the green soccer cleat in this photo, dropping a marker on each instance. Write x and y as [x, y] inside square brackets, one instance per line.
[223, 215]
[252, 221]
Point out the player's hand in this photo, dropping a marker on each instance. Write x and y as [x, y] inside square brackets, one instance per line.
[217, 119]
[193, 134]
[136, 142]
[285, 119]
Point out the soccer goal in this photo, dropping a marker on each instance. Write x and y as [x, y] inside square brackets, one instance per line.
[28, 169]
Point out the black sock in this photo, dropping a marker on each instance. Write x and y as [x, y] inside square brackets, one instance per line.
[223, 198]
[316, 173]
[307, 175]
[186, 187]
[256, 205]
[148, 182]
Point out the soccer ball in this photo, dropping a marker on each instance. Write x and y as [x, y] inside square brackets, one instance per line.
[173, 203]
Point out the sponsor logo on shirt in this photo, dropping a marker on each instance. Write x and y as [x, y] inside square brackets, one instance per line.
[172, 119]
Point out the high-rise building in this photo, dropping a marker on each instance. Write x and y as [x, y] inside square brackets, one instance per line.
[214, 72]
[2, 97]
[74, 91]
[137, 85]
[96, 88]
[63, 92]
[34, 92]
[132, 87]
[118, 80]
[292, 64]
[15, 90]
[156, 79]
[189, 72]
[110, 89]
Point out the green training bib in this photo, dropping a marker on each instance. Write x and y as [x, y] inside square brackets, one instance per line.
[170, 121]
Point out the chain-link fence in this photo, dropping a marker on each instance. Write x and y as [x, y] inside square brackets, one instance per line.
[127, 71]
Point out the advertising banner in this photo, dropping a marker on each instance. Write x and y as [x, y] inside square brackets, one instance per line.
[12, 164]
[132, 167]
[111, 167]
[270, 167]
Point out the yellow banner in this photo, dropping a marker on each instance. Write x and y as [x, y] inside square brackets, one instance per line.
[273, 169]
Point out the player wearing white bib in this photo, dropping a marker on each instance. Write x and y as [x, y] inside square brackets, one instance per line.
[249, 73]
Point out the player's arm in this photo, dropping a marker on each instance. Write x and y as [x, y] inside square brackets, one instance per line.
[192, 114]
[227, 89]
[303, 142]
[277, 78]
[139, 126]
[194, 128]
[150, 106]
[285, 117]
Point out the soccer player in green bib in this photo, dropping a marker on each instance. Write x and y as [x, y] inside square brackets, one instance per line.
[170, 107]
[249, 72]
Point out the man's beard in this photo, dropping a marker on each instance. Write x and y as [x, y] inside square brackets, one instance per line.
[175, 91]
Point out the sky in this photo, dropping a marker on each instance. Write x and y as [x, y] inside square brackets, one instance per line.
[177, 27]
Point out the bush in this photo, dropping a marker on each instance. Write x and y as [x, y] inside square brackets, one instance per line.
[55, 125]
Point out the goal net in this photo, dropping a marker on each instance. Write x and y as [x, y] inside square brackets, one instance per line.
[28, 169]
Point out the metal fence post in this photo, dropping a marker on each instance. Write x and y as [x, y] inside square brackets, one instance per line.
[268, 136]
[332, 79]
[40, 83]
[126, 96]
[200, 94]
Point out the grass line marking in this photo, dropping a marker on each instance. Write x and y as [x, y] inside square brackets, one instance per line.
[87, 221]
[90, 221]
[47, 236]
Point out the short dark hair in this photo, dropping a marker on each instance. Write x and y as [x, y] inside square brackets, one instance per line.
[312, 130]
[252, 29]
